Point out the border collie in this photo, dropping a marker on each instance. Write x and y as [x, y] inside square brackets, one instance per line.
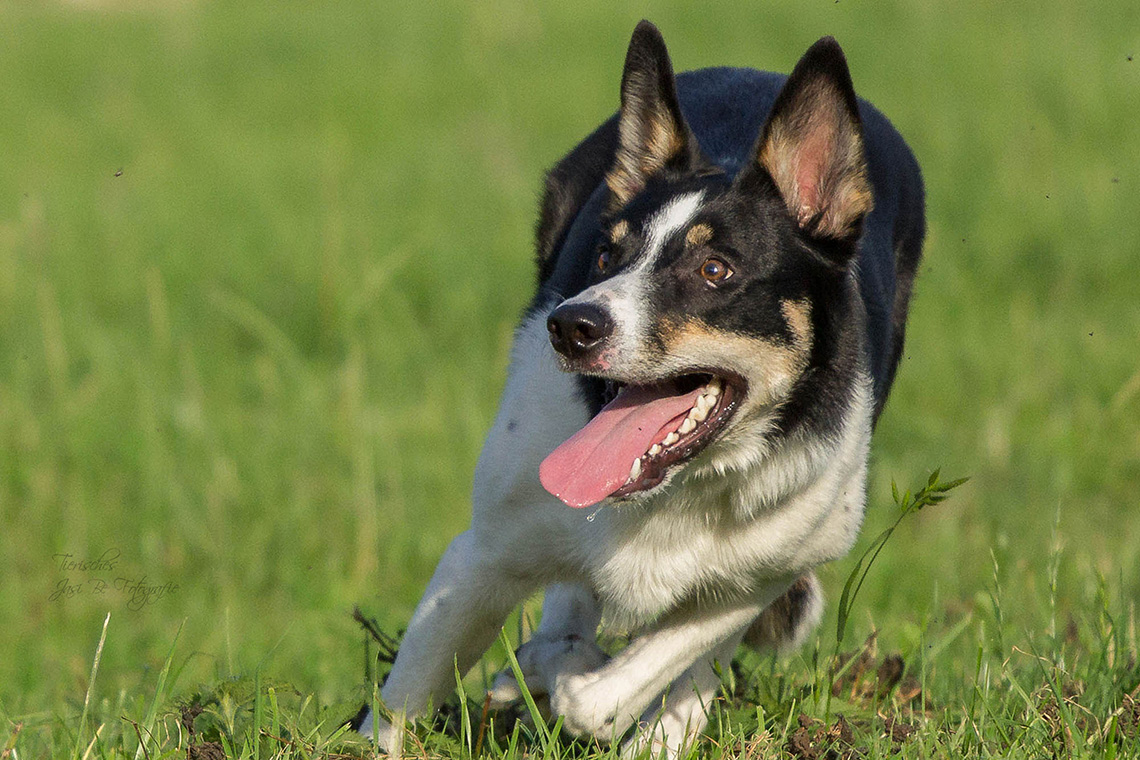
[724, 269]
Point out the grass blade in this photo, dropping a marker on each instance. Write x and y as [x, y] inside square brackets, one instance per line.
[90, 687]
[159, 691]
[535, 714]
[258, 713]
[465, 736]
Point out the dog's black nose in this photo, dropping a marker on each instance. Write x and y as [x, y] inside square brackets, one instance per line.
[577, 329]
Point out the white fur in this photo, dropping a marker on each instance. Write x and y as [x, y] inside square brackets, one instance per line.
[674, 721]
[687, 569]
[670, 219]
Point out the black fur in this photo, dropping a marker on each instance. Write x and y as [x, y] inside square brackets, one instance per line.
[782, 619]
[567, 188]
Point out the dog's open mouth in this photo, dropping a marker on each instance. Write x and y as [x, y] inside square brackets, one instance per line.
[644, 430]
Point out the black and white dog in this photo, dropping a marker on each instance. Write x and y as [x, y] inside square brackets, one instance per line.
[724, 269]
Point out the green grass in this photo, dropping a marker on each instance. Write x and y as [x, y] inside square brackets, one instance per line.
[247, 364]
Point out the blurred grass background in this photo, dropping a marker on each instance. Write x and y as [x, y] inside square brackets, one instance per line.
[260, 263]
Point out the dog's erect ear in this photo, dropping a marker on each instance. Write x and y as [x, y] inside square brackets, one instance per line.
[652, 133]
[812, 146]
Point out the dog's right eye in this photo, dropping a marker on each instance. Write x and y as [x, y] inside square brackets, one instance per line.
[603, 257]
[715, 271]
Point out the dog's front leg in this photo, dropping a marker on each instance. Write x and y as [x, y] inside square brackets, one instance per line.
[455, 622]
[674, 721]
[606, 702]
[565, 641]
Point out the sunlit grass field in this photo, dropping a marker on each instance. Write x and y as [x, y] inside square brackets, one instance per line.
[260, 263]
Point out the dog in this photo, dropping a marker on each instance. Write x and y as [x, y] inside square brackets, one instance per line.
[724, 272]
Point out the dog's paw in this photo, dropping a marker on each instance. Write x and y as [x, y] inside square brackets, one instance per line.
[585, 706]
[671, 730]
[655, 739]
[374, 728]
[504, 690]
[542, 661]
[505, 694]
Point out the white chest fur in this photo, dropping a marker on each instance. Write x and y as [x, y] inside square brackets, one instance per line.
[721, 534]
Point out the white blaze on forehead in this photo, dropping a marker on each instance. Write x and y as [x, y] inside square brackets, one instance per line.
[628, 299]
[670, 219]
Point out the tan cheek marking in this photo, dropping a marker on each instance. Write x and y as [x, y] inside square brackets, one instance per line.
[699, 234]
[771, 368]
[619, 231]
[798, 314]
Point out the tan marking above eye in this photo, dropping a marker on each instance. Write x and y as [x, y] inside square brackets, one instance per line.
[699, 234]
[619, 231]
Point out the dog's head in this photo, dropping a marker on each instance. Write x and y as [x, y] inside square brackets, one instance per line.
[709, 292]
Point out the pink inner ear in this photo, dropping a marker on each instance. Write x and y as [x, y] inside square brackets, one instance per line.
[813, 155]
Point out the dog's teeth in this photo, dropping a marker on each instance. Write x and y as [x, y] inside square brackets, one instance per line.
[700, 413]
[688, 426]
[703, 404]
[671, 439]
[655, 449]
[713, 388]
[635, 470]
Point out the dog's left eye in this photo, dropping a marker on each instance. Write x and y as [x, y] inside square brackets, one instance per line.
[715, 271]
[603, 257]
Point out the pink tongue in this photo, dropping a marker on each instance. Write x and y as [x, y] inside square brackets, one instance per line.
[595, 461]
